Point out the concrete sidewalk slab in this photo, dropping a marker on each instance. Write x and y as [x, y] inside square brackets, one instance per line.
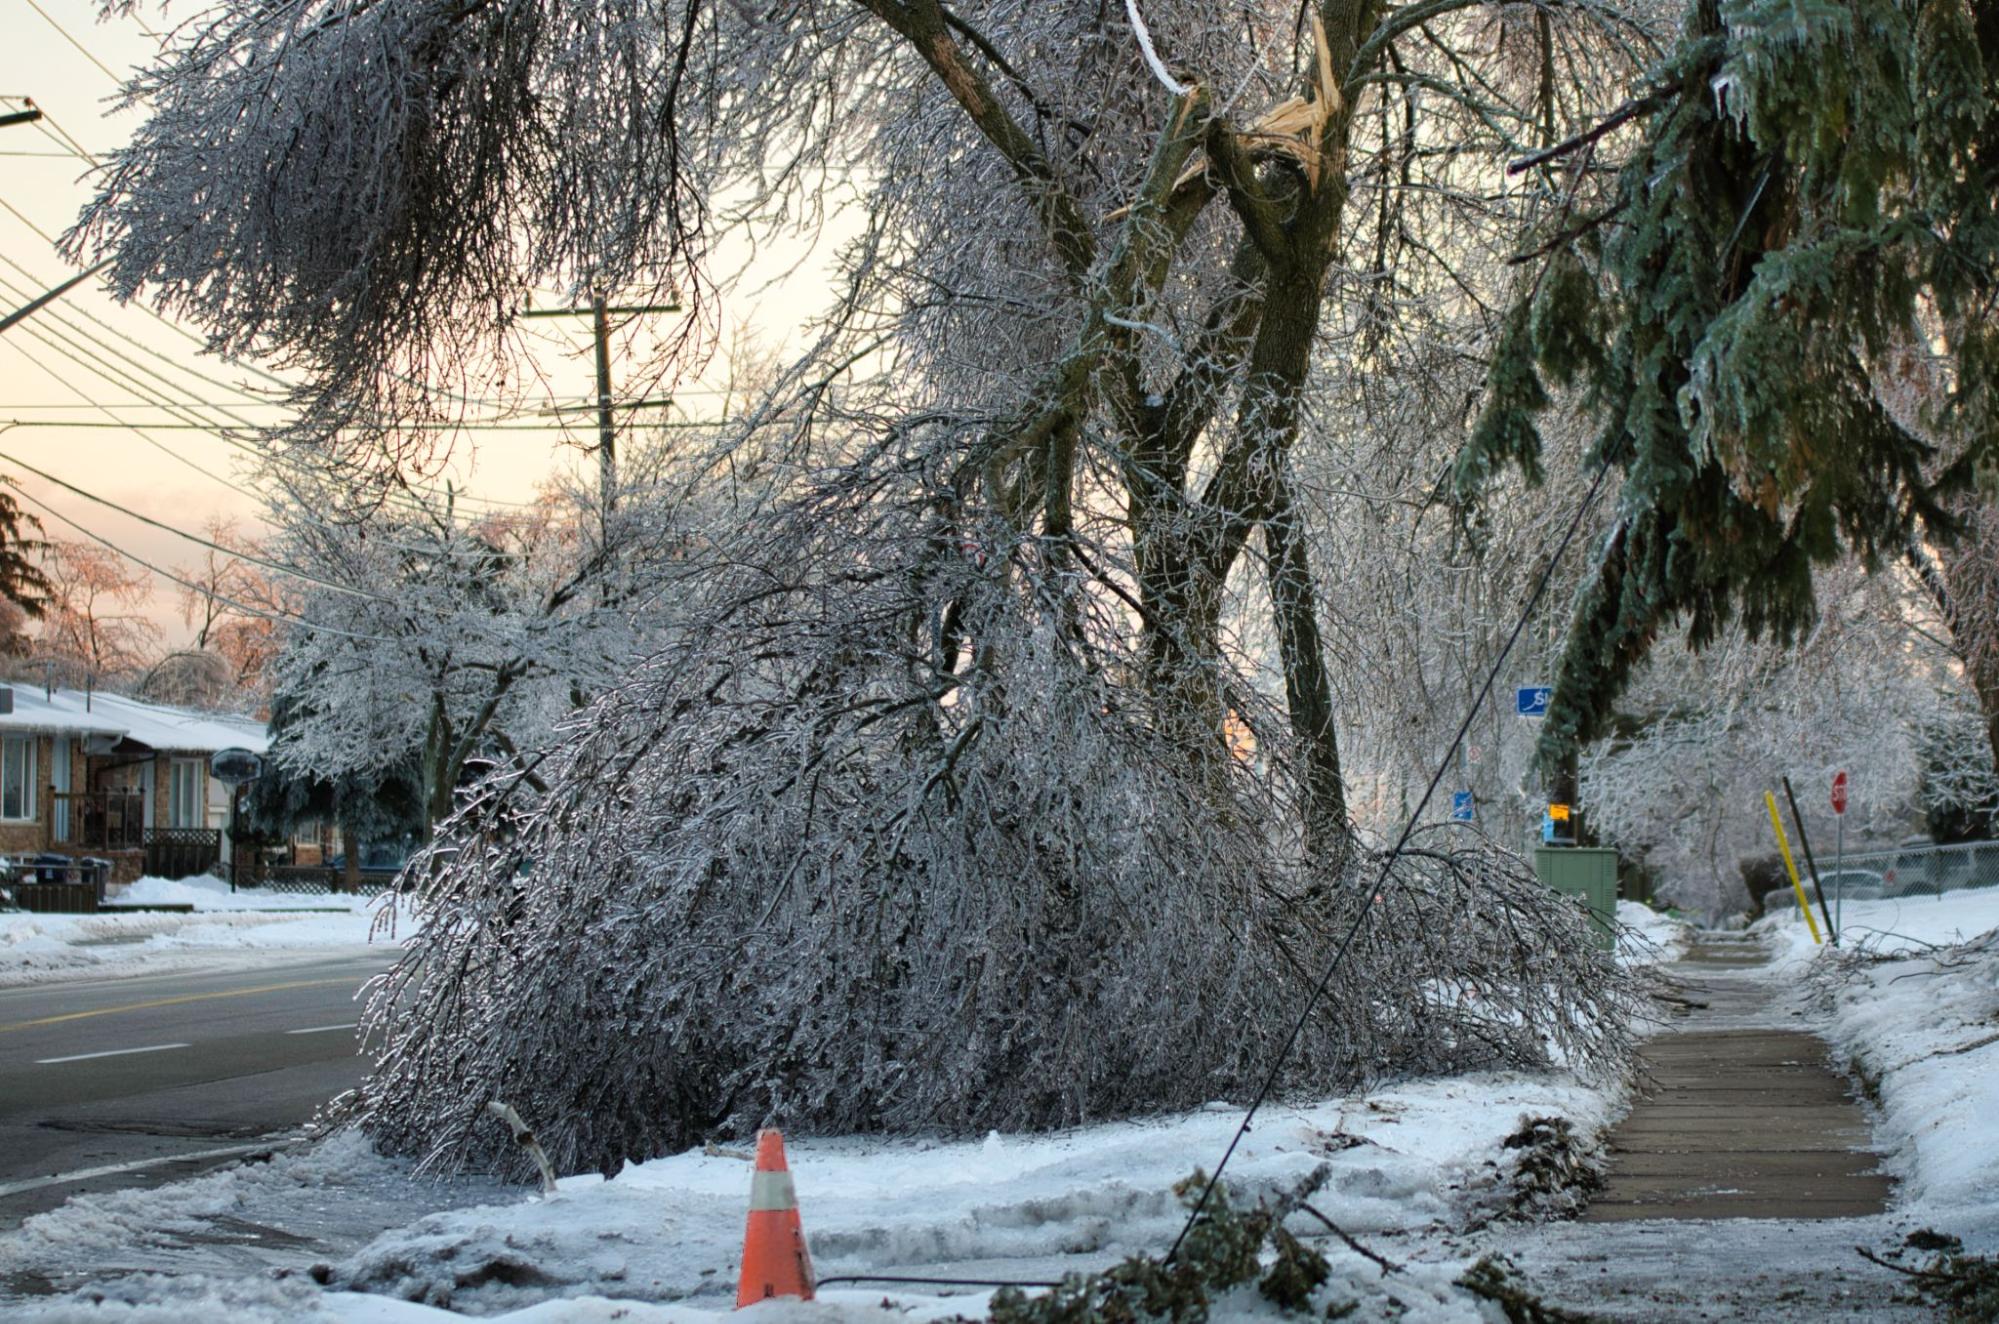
[1744, 1121]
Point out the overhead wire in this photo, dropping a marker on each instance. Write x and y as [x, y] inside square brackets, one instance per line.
[41, 336]
[278, 618]
[80, 310]
[193, 422]
[89, 363]
[186, 410]
[162, 397]
[51, 128]
[691, 425]
[85, 51]
[1387, 878]
[275, 567]
[183, 414]
[249, 398]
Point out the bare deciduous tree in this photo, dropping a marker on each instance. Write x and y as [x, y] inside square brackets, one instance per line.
[94, 626]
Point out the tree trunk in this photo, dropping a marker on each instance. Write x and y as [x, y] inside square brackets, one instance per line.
[1970, 606]
[350, 849]
[1308, 686]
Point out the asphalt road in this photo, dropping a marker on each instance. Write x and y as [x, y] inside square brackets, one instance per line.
[158, 1077]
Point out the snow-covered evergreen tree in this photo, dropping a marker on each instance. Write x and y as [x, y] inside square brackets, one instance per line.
[1815, 195]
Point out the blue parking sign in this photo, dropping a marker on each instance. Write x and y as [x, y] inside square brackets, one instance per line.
[1463, 810]
[1532, 700]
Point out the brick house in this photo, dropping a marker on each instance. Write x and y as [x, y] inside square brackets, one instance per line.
[95, 774]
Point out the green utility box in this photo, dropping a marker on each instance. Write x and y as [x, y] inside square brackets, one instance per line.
[1588, 872]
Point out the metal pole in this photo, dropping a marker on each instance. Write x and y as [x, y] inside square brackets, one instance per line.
[1839, 871]
[1797, 820]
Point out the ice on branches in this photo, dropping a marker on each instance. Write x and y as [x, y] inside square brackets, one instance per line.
[891, 847]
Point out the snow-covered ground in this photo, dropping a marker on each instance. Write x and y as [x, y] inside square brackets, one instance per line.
[661, 1240]
[224, 928]
[1411, 1169]
[1912, 1002]
[1906, 924]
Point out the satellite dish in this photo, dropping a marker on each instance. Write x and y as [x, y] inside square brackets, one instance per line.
[236, 766]
[99, 743]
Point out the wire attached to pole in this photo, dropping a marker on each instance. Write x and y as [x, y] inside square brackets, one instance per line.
[1388, 862]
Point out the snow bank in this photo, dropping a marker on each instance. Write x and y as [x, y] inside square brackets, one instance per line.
[1647, 937]
[44, 948]
[660, 1241]
[207, 892]
[1901, 925]
[1030, 1206]
[1922, 1034]
[1913, 1004]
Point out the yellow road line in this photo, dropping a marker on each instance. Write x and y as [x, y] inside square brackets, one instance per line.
[185, 997]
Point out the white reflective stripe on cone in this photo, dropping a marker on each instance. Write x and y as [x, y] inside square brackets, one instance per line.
[772, 1190]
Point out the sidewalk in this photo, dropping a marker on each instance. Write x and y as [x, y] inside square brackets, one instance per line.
[1736, 1120]
[1739, 1183]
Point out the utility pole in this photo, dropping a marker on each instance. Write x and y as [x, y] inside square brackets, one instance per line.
[607, 435]
[600, 313]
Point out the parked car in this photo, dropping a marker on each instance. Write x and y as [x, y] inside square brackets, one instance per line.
[376, 857]
[1854, 885]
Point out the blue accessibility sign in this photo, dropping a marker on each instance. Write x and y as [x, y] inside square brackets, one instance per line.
[1463, 810]
[1532, 700]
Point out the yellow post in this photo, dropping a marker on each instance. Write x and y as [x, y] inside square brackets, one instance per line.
[1797, 888]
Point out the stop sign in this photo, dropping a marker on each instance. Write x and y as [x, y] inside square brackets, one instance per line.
[1839, 792]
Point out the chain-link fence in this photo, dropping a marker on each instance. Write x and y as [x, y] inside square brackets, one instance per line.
[1910, 871]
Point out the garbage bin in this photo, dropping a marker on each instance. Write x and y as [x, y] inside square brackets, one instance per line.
[53, 868]
[1588, 873]
[96, 871]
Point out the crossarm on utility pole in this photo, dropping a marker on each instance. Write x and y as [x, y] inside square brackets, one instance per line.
[35, 305]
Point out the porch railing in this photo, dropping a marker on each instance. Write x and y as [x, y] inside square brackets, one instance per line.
[97, 820]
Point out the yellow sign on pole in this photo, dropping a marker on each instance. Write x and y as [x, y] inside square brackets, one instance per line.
[1797, 888]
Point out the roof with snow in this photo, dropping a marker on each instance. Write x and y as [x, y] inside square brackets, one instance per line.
[53, 712]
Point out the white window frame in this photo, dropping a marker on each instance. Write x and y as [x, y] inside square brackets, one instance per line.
[196, 807]
[28, 769]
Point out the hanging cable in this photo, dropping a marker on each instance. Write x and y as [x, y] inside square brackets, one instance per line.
[1387, 877]
[84, 50]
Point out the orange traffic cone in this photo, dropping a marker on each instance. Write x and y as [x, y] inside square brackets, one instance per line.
[775, 1262]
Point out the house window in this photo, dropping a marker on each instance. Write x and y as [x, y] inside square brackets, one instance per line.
[185, 806]
[17, 778]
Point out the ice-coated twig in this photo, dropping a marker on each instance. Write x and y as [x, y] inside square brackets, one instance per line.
[1152, 60]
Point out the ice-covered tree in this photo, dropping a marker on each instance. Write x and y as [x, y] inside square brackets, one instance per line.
[230, 606]
[428, 641]
[1811, 197]
[1872, 689]
[991, 775]
[94, 627]
[23, 587]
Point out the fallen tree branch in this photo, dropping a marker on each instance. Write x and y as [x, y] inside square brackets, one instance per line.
[525, 1139]
[1387, 1265]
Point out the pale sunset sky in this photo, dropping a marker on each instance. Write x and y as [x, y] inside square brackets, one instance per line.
[87, 359]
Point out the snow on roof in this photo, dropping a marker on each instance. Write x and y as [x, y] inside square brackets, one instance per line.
[155, 724]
